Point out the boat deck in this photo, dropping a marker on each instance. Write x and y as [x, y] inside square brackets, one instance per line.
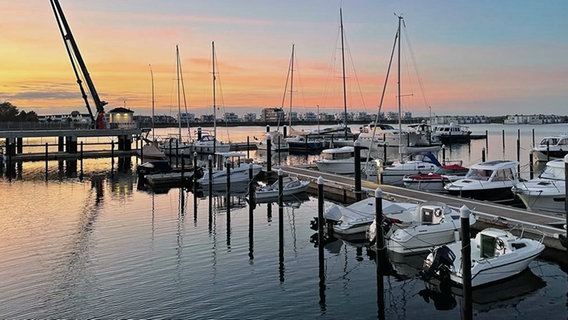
[535, 225]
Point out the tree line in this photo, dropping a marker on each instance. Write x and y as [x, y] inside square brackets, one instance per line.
[10, 113]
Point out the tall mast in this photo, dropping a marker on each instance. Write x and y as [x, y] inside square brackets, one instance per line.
[178, 72]
[214, 102]
[153, 124]
[291, 86]
[398, 89]
[343, 68]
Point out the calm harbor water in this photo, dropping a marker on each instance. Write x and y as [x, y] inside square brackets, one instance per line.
[100, 248]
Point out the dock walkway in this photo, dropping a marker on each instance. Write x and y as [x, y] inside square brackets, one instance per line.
[535, 225]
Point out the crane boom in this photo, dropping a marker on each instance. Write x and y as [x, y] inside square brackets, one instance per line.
[75, 57]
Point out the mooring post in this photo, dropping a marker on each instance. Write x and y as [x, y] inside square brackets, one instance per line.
[268, 154]
[251, 206]
[195, 177]
[321, 220]
[177, 152]
[466, 264]
[228, 166]
[248, 147]
[503, 137]
[380, 253]
[81, 156]
[281, 212]
[278, 150]
[46, 160]
[487, 140]
[251, 186]
[533, 137]
[182, 182]
[443, 155]
[519, 156]
[112, 158]
[385, 145]
[531, 166]
[357, 147]
[210, 186]
[320, 242]
[483, 155]
[547, 150]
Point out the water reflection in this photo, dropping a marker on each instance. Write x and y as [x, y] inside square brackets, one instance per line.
[505, 294]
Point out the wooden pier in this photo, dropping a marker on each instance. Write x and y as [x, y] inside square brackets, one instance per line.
[535, 225]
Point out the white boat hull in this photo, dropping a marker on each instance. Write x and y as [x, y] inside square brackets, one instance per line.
[238, 174]
[344, 166]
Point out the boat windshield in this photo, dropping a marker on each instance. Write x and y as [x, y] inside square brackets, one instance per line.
[554, 173]
[479, 174]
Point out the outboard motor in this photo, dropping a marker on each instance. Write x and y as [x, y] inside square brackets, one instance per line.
[443, 259]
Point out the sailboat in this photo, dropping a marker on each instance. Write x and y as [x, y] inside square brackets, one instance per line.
[150, 151]
[208, 144]
[174, 145]
[340, 159]
[376, 135]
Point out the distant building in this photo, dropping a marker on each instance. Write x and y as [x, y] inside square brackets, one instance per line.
[74, 117]
[186, 117]
[231, 117]
[272, 115]
[292, 116]
[309, 117]
[164, 120]
[249, 117]
[208, 118]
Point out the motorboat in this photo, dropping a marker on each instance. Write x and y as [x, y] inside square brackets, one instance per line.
[435, 181]
[151, 152]
[491, 180]
[208, 144]
[451, 133]
[277, 142]
[174, 146]
[239, 170]
[339, 160]
[291, 186]
[547, 193]
[357, 217]
[419, 229]
[422, 163]
[551, 147]
[377, 135]
[299, 144]
[154, 166]
[495, 255]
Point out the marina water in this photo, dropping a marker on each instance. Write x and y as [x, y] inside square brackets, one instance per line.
[100, 248]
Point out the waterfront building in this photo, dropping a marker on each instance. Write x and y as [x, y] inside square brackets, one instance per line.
[206, 118]
[309, 117]
[121, 118]
[292, 116]
[187, 117]
[231, 117]
[272, 115]
[249, 117]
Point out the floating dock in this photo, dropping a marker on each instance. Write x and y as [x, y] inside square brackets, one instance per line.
[534, 225]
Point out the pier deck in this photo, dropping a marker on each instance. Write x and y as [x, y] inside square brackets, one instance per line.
[535, 225]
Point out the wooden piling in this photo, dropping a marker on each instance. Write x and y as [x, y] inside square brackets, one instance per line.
[281, 213]
[467, 313]
[357, 146]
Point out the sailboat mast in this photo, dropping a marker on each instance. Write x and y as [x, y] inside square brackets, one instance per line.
[291, 87]
[398, 87]
[153, 124]
[214, 102]
[343, 68]
[178, 92]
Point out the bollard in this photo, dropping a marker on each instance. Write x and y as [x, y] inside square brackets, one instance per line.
[487, 140]
[357, 146]
[483, 155]
[519, 156]
[281, 213]
[380, 241]
[267, 128]
[466, 263]
[199, 133]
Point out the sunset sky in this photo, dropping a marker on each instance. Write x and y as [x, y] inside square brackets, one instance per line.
[459, 57]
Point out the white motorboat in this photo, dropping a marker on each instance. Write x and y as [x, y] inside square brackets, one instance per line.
[491, 180]
[208, 144]
[291, 186]
[451, 133]
[339, 160]
[277, 142]
[547, 193]
[239, 171]
[376, 135]
[357, 217]
[551, 147]
[495, 255]
[151, 152]
[423, 163]
[421, 228]
[435, 181]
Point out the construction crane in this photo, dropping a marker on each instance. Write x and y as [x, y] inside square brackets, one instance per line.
[77, 59]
